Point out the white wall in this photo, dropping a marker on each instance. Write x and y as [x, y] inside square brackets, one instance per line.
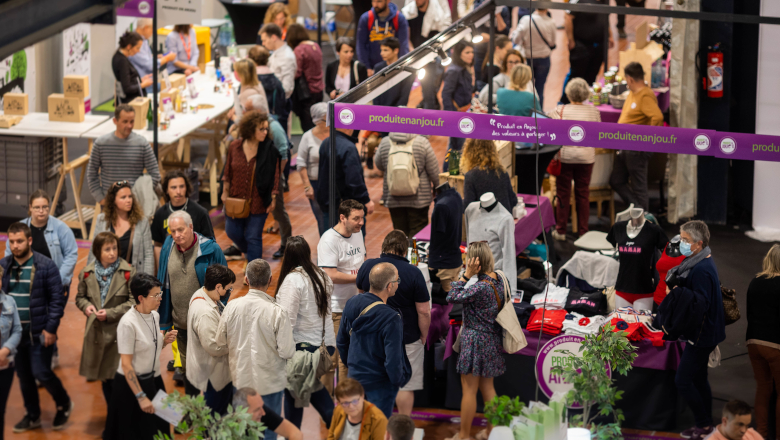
[766, 210]
[213, 9]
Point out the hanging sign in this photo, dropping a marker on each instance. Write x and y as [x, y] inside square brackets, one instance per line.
[559, 132]
[173, 12]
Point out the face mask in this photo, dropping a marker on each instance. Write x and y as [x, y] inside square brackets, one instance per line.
[685, 249]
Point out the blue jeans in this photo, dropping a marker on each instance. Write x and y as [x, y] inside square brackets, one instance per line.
[541, 68]
[247, 234]
[315, 208]
[273, 401]
[692, 383]
[383, 397]
[218, 401]
[33, 362]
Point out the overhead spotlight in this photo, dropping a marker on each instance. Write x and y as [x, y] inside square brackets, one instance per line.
[476, 37]
[445, 60]
[421, 74]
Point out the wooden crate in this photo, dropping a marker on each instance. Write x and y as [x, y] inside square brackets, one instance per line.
[454, 181]
[506, 155]
[76, 86]
[65, 109]
[15, 104]
[141, 107]
[8, 121]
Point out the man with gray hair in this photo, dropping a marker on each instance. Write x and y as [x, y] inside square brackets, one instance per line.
[142, 61]
[257, 332]
[371, 339]
[248, 398]
[184, 258]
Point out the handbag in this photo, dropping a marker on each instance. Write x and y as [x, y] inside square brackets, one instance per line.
[514, 338]
[301, 91]
[730, 306]
[326, 363]
[236, 207]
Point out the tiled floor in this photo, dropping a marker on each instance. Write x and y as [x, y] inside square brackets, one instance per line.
[88, 417]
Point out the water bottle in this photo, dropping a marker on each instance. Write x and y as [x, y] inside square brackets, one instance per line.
[658, 73]
[225, 34]
[233, 52]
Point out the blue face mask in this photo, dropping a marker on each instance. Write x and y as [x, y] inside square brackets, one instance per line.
[685, 249]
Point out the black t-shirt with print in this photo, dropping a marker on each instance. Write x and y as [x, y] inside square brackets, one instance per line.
[637, 256]
[201, 223]
[586, 304]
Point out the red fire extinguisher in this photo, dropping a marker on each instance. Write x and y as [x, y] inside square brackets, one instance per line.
[715, 72]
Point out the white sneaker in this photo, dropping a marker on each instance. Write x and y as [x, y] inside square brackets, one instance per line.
[558, 236]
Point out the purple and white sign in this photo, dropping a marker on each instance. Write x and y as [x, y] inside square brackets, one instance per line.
[551, 356]
[136, 8]
[555, 131]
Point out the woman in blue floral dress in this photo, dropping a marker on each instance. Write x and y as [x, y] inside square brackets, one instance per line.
[480, 357]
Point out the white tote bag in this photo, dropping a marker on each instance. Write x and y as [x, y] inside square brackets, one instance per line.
[514, 338]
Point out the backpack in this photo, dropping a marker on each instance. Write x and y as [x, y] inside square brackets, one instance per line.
[403, 177]
[371, 19]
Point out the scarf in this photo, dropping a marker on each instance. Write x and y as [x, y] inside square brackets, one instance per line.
[685, 267]
[267, 161]
[104, 276]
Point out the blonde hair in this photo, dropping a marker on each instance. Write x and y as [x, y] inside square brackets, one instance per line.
[771, 265]
[481, 154]
[519, 77]
[247, 72]
[481, 250]
[274, 10]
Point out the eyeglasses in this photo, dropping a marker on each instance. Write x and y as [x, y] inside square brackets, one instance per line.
[263, 129]
[513, 62]
[121, 184]
[158, 296]
[351, 402]
[40, 208]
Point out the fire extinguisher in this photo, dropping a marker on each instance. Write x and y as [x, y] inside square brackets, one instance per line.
[715, 72]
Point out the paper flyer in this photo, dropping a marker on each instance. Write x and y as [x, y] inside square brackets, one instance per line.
[170, 413]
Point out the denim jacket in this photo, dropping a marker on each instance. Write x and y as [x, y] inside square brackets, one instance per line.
[10, 327]
[62, 247]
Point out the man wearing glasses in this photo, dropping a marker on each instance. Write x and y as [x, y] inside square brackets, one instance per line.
[371, 339]
[208, 364]
[33, 281]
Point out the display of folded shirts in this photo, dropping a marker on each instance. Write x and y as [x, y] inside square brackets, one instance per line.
[588, 304]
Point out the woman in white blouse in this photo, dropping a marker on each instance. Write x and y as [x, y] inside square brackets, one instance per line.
[304, 292]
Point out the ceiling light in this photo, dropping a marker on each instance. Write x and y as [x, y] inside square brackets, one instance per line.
[476, 37]
[445, 60]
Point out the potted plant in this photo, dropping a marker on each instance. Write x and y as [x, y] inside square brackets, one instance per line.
[593, 387]
[204, 425]
[499, 412]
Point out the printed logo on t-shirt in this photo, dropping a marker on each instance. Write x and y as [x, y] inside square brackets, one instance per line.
[583, 301]
[353, 252]
[630, 249]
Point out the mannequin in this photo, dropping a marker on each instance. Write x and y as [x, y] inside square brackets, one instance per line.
[441, 188]
[444, 258]
[671, 257]
[488, 220]
[638, 243]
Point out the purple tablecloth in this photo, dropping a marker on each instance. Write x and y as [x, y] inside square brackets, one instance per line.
[612, 114]
[657, 358]
[526, 228]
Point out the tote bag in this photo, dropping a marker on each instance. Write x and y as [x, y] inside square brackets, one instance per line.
[514, 338]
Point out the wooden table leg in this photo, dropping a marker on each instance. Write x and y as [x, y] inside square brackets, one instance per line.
[77, 198]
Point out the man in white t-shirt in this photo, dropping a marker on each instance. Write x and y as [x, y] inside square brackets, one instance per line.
[340, 253]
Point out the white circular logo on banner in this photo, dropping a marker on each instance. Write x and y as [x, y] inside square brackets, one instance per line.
[466, 125]
[144, 7]
[576, 133]
[346, 116]
[702, 142]
[728, 145]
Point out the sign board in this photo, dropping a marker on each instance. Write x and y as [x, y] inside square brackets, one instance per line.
[76, 54]
[173, 12]
[607, 135]
[17, 75]
[550, 356]
[136, 8]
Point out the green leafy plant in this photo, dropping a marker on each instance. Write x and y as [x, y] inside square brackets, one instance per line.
[593, 388]
[501, 409]
[203, 424]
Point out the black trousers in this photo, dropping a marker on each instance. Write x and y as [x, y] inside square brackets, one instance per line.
[629, 177]
[621, 20]
[585, 60]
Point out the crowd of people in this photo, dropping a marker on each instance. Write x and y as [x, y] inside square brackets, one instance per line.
[345, 334]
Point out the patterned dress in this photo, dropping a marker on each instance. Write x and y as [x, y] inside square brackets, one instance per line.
[480, 336]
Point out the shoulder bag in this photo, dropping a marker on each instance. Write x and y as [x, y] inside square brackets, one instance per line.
[553, 46]
[370, 306]
[514, 338]
[326, 363]
[730, 306]
[236, 207]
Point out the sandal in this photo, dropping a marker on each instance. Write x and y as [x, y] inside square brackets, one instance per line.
[272, 230]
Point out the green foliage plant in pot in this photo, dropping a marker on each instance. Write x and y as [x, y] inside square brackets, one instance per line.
[499, 412]
[199, 423]
[593, 387]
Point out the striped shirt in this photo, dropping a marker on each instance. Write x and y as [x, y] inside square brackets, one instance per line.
[114, 159]
[19, 287]
[577, 112]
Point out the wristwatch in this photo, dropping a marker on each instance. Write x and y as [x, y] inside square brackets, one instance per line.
[140, 395]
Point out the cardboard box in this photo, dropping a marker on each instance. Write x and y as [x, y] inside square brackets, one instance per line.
[7, 121]
[76, 86]
[15, 104]
[141, 107]
[170, 93]
[177, 79]
[643, 52]
[65, 109]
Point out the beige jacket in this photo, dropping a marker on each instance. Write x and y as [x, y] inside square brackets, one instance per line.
[259, 339]
[574, 112]
[206, 361]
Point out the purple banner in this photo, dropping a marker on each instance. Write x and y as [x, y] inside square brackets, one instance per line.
[559, 132]
[136, 8]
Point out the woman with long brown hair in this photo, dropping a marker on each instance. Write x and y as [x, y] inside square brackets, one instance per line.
[245, 72]
[123, 216]
[511, 59]
[277, 14]
[304, 292]
[484, 173]
[458, 87]
[183, 42]
[308, 58]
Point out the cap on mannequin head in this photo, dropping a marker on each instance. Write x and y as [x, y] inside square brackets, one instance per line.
[487, 200]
